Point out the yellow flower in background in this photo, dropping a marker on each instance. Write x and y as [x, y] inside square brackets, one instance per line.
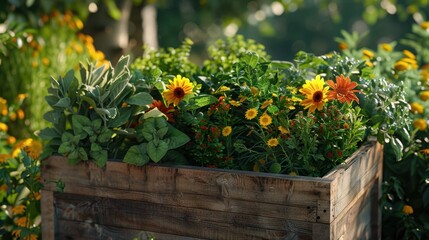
[78, 23]
[32, 147]
[4, 187]
[3, 106]
[273, 142]
[235, 103]
[407, 209]
[267, 103]
[417, 108]
[4, 157]
[3, 127]
[386, 47]
[283, 130]
[401, 65]
[424, 25]
[222, 89]
[265, 120]
[12, 116]
[424, 95]
[369, 63]
[315, 92]
[45, 61]
[177, 90]
[22, 96]
[368, 54]
[342, 46]
[20, 113]
[251, 113]
[20, 209]
[420, 124]
[425, 151]
[409, 54]
[226, 131]
[254, 91]
[11, 140]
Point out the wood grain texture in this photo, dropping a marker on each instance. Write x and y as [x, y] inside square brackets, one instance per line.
[193, 202]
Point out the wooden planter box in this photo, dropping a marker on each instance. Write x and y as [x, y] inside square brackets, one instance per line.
[180, 202]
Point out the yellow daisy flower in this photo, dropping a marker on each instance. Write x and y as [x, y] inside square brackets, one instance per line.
[273, 142]
[177, 90]
[265, 120]
[3, 127]
[386, 47]
[368, 54]
[409, 54]
[283, 130]
[251, 113]
[407, 210]
[226, 131]
[267, 103]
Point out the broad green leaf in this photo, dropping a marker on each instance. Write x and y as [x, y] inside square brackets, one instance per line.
[104, 136]
[160, 123]
[53, 116]
[67, 82]
[157, 151]
[137, 155]
[100, 157]
[51, 100]
[161, 132]
[63, 102]
[201, 101]
[82, 153]
[176, 138]
[48, 133]
[73, 157]
[78, 122]
[140, 99]
[154, 113]
[117, 90]
[121, 118]
[251, 58]
[89, 100]
[122, 63]
[106, 112]
[95, 147]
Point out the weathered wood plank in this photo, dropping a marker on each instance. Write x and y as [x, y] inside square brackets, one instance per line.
[47, 212]
[175, 220]
[73, 230]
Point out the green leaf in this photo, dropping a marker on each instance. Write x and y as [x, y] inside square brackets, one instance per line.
[51, 100]
[82, 153]
[175, 138]
[161, 132]
[154, 113]
[137, 155]
[106, 112]
[67, 82]
[89, 100]
[140, 99]
[121, 118]
[201, 101]
[48, 133]
[99, 156]
[122, 63]
[157, 151]
[78, 123]
[251, 58]
[63, 102]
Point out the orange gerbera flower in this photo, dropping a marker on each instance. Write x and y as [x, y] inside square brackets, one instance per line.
[168, 111]
[343, 89]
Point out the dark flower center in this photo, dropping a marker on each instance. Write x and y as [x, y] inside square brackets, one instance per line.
[179, 93]
[317, 96]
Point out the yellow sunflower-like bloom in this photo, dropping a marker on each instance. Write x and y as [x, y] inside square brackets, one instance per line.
[409, 54]
[368, 54]
[265, 120]
[226, 131]
[266, 103]
[251, 113]
[401, 66]
[177, 90]
[316, 94]
[424, 25]
[283, 130]
[273, 142]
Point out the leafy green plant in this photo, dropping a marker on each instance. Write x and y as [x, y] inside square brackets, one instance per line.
[103, 109]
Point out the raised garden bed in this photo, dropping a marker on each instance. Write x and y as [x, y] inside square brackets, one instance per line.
[122, 201]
